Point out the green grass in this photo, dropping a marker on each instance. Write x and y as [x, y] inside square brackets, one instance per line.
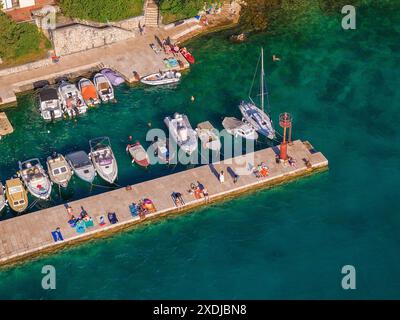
[174, 10]
[20, 43]
[102, 10]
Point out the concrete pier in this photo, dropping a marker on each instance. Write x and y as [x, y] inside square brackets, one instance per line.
[30, 234]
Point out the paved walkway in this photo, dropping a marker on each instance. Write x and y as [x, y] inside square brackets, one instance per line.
[30, 234]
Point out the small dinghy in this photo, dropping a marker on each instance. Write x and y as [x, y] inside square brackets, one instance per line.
[81, 165]
[239, 128]
[187, 55]
[89, 93]
[113, 77]
[16, 194]
[138, 154]
[35, 178]
[161, 150]
[59, 170]
[50, 104]
[103, 159]
[71, 99]
[2, 197]
[182, 132]
[160, 78]
[208, 136]
[104, 87]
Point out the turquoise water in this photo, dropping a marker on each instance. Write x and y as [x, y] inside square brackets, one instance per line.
[288, 242]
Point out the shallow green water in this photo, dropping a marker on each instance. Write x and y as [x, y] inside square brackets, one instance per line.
[288, 242]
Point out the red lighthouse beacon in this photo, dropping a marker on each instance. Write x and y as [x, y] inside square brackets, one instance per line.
[285, 121]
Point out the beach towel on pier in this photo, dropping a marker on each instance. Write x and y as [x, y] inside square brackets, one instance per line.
[112, 217]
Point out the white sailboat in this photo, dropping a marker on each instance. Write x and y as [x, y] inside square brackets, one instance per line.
[255, 116]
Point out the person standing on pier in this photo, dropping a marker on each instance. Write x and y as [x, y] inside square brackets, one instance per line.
[221, 177]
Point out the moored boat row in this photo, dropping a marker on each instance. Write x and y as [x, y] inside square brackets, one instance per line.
[32, 177]
[74, 100]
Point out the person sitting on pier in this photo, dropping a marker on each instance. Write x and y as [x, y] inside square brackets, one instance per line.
[292, 162]
[177, 198]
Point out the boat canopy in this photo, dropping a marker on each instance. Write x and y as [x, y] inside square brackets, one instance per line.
[206, 125]
[79, 159]
[231, 123]
[89, 92]
[48, 94]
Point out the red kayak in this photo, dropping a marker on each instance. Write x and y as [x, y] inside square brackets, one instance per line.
[188, 56]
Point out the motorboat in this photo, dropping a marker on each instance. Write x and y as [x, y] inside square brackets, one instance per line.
[255, 116]
[182, 133]
[89, 92]
[16, 195]
[138, 154]
[160, 78]
[162, 150]
[115, 78]
[50, 104]
[71, 99]
[187, 55]
[103, 159]
[2, 197]
[104, 87]
[81, 165]
[239, 128]
[35, 178]
[208, 136]
[59, 170]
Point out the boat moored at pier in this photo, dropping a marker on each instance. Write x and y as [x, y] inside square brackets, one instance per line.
[89, 92]
[81, 165]
[35, 178]
[239, 128]
[182, 133]
[103, 159]
[59, 170]
[104, 87]
[16, 195]
[2, 197]
[50, 104]
[208, 136]
[159, 78]
[71, 98]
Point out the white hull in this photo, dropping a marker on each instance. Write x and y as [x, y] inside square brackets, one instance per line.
[182, 133]
[82, 166]
[71, 99]
[2, 197]
[258, 119]
[104, 87]
[81, 85]
[156, 79]
[105, 164]
[36, 180]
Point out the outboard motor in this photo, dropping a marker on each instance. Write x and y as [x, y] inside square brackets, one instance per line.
[52, 115]
[75, 108]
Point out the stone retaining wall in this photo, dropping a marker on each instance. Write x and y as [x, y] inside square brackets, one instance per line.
[79, 37]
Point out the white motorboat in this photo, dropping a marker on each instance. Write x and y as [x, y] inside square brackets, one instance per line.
[104, 87]
[59, 170]
[2, 197]
[35, 178]
[160, 78]
[71, 99]
[239, 128]
[255, 116]
[103, 159]
[50, 104]
[182, 133]
[81, 165]
[89, 92]
[208, 136]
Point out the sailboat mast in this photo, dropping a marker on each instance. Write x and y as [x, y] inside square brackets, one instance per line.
[262, 79]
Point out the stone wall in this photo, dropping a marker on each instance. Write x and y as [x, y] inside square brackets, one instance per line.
[79, 37]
